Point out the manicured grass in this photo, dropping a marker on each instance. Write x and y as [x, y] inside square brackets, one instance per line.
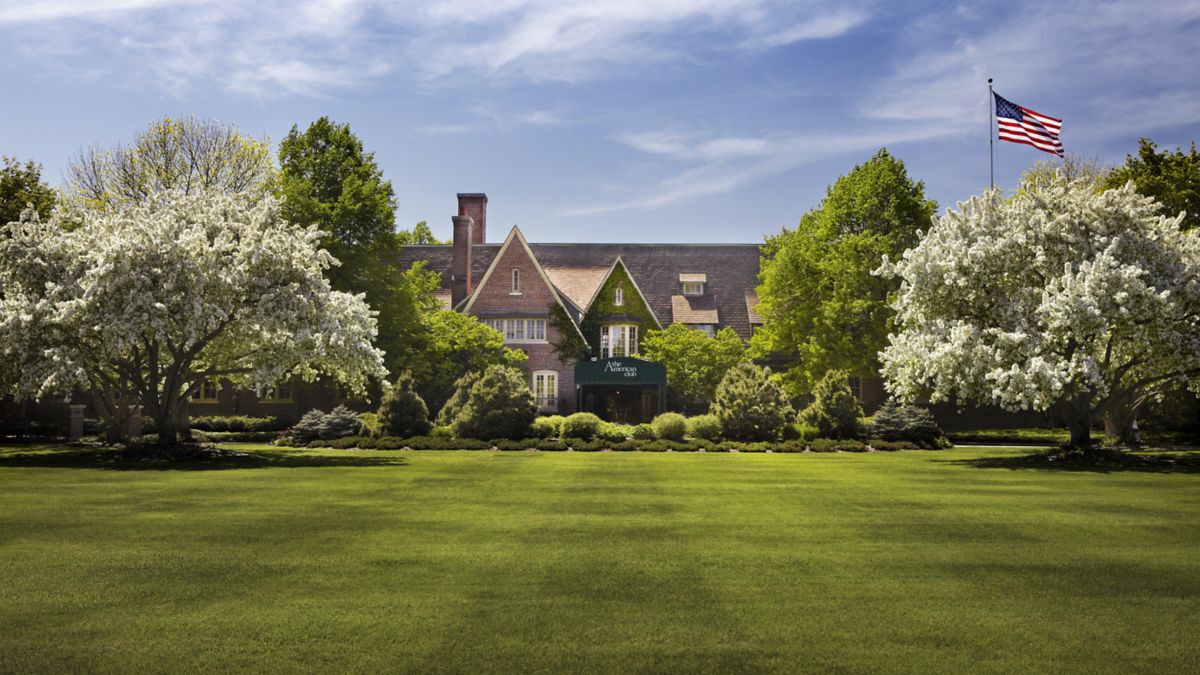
[340, 561]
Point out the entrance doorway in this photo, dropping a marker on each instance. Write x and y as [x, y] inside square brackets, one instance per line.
[632, 404]
[624, 390]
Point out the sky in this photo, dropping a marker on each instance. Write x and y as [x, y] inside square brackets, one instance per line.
[612, 121]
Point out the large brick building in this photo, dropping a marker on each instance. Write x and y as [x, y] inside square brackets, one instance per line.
[608, 295]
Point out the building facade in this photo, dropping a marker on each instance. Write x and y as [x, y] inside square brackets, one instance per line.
[580, 311]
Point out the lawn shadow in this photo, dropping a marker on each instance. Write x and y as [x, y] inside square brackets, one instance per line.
[116, 460]
[1180, 461]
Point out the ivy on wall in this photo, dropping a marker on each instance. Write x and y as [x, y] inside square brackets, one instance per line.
[603, 308]
[568, 345]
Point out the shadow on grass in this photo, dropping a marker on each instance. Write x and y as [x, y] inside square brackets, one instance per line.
[1104, 462]
[105, 458]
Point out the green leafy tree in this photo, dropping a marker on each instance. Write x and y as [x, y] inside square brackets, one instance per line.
[402, 412]
[447, 345]
[420, 235]
[326, 179]
[695, 362]
[822, 304]
[750, 404]
[1074, 166]
[1172, 178]
[186, 154]
[21, 186]
[499, 405]
[834, 410]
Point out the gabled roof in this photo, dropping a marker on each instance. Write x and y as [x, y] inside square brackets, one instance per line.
[515, 235]
[731, 272]
[611, 268]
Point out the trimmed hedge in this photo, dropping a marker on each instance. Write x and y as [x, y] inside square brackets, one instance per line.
[547, 426]
[706, 427]
[235, 423]
[670, 426]
[581, 425]
[643, 432]
[597, 444]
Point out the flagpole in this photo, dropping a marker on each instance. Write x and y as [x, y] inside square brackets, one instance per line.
[991, 154]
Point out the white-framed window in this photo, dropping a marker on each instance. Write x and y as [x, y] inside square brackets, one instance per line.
[618, 340]
[545, 389]
[706, 328]
[520, 330]
[516, 283]
[856, 387]
[619, 296]
[280, 393]
[207, 393]
[693, 288]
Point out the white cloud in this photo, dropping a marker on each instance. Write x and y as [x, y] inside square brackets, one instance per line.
[817, 28]
[723, 164]
[1133, 59]
[22, 11]
[317, 45]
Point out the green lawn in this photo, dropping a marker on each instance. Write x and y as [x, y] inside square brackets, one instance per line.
[522, 561]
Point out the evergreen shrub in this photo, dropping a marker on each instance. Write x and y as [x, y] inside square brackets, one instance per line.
[670, 426]
[750, 405]
[706, 427]
[896, 421]
[834, 410]
[232, 423]
[370, 424]
[499, 404]
[547, 426]
[643, 432]
[613, 433]
[402, 412]
[581, 425]
[452, 406]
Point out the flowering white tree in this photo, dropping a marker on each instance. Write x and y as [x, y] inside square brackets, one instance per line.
[1058, 297]
[141, 304]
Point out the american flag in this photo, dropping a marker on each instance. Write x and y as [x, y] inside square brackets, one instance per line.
[1022, 125]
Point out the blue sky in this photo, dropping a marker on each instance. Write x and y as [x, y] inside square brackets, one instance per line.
[672, 120]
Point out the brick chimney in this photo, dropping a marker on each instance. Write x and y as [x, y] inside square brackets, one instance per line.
[474, 204]
[460, 268]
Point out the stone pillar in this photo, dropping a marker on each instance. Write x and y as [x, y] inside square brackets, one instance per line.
[75, 423]
[135, 421]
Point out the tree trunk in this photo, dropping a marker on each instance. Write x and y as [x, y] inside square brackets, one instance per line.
[1077, 413]
[1081, 433]
[1119, 416]
[167, 434]
[183, 423]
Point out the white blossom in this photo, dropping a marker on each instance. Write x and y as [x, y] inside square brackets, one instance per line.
[163, 293]
[1058, 295]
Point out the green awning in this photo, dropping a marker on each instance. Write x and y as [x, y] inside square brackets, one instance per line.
[620, 370]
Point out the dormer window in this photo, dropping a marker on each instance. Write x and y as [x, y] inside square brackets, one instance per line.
[619, 297]
[692, 284]
[516, 283]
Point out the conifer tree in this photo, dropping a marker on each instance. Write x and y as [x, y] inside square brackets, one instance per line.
[834, 411]
[499, 405]
[402, 412]
[750, 405]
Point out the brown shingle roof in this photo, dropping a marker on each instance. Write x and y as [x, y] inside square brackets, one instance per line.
[578, 284]
[731, 271]
[694, 309]
[752, 308]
